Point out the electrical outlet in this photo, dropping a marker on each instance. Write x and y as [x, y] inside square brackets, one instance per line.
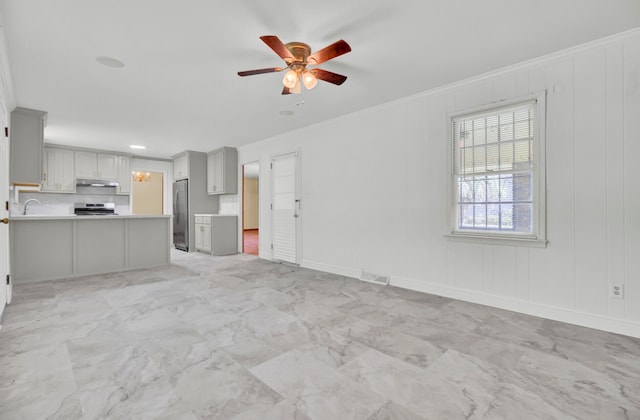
[616, 291]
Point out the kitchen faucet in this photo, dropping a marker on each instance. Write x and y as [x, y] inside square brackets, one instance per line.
[26, 203]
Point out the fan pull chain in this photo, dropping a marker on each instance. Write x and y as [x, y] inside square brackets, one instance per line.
[301, 101]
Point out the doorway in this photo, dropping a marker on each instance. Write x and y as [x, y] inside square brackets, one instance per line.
[251, 208]
[147, 193]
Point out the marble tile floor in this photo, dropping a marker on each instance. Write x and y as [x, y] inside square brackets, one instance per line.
[241, 338]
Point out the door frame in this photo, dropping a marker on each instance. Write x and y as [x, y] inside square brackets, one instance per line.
[5, 260]
[7, 103]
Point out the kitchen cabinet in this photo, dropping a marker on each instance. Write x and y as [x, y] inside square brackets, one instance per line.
[96, 165]
[222, 171]
[26, 139]
[216, 234]
[86, 164]
[191, 166]
[203, 233]
[54, 247]
[107, 166]
[124, 174]
[181, 167]
[58, 170]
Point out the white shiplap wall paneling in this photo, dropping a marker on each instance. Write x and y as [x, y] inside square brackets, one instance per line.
[488, 269]
[590, 181]
[505, 271]
[504, 87]
[419, 179]
[468, 263]
[614, 141]
[632, 176]
[551, 269]
[522, 273]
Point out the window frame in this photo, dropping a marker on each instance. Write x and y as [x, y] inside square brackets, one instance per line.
[538, 237]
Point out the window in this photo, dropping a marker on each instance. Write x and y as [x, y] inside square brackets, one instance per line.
[498, 172]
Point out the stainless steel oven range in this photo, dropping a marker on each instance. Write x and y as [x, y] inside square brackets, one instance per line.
[94, 209]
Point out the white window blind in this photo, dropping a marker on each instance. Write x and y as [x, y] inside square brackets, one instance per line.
[494, 170]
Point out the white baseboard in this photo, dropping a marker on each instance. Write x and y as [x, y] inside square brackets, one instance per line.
[584, 319]
[334, 269]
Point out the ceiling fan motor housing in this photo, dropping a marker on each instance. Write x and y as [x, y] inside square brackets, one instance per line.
[300, 51]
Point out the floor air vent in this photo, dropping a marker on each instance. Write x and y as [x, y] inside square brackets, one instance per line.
[373, 278]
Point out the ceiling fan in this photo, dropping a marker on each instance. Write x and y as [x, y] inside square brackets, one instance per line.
[297, 56]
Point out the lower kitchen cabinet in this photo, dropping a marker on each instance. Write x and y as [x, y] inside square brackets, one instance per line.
[216, 234]
[54, 247]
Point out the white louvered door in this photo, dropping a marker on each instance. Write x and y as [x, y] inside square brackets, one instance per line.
[286, 215]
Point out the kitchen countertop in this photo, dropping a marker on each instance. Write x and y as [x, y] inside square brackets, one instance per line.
[215, 214]
[74, 217]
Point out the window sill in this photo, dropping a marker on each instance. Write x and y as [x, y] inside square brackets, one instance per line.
[497, 240]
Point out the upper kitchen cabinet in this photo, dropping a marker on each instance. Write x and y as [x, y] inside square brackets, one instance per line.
[26, 145]
[107, 166]
[181, 167]
[124, 174]
[58, 170]
[222, 171]
[96, 165]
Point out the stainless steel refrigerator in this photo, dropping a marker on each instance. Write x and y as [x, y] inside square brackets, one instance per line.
[181, 214]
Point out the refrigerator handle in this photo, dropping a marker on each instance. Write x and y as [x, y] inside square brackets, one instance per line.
[175, 207]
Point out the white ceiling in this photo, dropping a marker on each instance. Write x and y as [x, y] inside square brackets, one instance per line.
[179, 89]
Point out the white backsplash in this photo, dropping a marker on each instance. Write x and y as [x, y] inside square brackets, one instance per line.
[63, 204]
[229, 204]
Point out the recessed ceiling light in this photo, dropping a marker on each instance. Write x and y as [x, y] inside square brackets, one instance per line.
[110, 62]
[286, 113]
[135, 146]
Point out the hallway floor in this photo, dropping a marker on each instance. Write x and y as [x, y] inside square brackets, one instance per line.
[241, 338]
[250, 238]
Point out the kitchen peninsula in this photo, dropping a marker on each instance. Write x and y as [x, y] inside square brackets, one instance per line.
[53, 247]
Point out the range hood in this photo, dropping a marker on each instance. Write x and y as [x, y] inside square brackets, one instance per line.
[96, 182]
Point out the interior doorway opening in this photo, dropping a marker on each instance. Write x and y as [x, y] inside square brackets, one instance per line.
[147, 193]
[251, 208]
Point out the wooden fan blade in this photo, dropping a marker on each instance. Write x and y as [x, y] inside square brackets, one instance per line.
[260, 71]
[329, 76]
[278, 47]
[327, 53]
[286, 91]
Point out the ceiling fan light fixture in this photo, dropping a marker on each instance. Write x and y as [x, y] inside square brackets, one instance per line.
[309, 80]
[290, 79]
[297, 56]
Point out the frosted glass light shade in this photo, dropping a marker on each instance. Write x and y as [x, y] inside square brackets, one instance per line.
[309, 80]
[290, 79]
